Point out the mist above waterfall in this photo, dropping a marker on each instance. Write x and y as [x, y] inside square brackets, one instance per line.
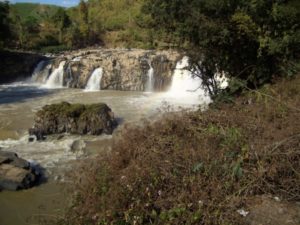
[94, 81]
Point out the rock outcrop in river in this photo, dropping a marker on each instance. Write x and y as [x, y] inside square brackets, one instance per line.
[15, 173]
[126, 70]
[93, 119]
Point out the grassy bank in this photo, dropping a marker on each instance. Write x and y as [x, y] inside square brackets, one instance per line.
[197, 167]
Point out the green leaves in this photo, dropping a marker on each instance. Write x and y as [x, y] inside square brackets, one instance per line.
[251, 40]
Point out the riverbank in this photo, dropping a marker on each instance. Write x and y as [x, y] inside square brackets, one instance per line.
[215, 167]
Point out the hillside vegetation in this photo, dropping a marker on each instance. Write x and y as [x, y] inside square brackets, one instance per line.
[252, 41]
[38, 11]
[52, 28]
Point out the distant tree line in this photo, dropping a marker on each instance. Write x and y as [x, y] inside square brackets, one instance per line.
[4, 22]
[61, 28]
[252, 41]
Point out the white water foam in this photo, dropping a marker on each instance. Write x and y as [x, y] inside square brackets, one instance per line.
[48, 153]
[94, 81]
[56, 78]
[185, 87]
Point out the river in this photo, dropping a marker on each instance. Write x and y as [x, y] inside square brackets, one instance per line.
[57, 154]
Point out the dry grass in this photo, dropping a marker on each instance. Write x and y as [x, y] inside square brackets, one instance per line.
[196, 168]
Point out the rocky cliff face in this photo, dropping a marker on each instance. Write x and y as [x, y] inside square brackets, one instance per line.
[17, 65]
[125, 70]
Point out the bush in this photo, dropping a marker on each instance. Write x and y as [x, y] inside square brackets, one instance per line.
[194, 167]
[54, 49]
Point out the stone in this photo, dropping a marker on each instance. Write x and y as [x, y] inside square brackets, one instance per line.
[20, 163]
[7, 157]
[64, 117]
[15, 173]
[14, 178]
[77, 146]
[3, 160]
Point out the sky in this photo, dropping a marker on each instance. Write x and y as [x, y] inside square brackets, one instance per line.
[65, 3]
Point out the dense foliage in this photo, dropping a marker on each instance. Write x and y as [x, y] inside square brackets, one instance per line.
[252, 40]
[94, 22]
[4, 22]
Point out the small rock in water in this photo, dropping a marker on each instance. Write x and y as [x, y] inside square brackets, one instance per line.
[31, 139]
[60, 137]
[77, 146]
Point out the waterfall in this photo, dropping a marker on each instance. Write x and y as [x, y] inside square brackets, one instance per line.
[150, 81]
[37, 71]
[56, 78]
[183, 82]
[94, 81]
[186, 88]
[41, 72]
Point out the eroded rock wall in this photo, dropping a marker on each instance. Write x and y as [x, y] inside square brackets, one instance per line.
[125, 70]
[15, 66]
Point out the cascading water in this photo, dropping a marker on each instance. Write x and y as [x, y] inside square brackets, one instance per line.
[37, 71]
[150, 81]
[56, 78]
[183, 82]
[186, 87]
[41, 72]
[94, 81]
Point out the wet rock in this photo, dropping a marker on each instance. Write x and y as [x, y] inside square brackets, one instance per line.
[17, 65]
[31, 139]
[80, 119]
[122, 69]
[20, 163]
[77, 146]
[7, 157]
[15, 172]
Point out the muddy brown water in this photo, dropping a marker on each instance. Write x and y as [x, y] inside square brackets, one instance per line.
[18, 104]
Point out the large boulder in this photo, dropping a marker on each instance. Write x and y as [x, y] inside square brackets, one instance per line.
[16, 173]
[64, 117]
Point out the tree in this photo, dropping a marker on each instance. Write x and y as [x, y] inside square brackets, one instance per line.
[250, 40]
[83, 21]
[4, 22]
[61, 21]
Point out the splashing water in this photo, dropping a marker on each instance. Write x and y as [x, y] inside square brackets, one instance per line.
[186, 87]
[95, 80]
[56, 79]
